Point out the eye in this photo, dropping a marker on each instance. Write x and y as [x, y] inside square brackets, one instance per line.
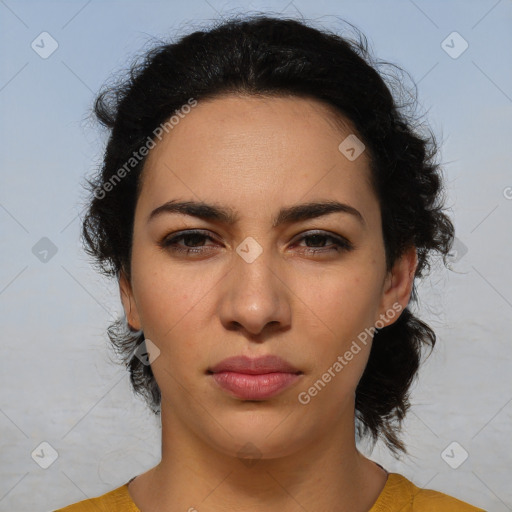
[318, 238]
[194, 242]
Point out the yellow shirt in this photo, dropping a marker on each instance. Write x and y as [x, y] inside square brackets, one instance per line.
[398, 495]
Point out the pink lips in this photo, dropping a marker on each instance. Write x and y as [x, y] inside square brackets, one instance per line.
[254, 378]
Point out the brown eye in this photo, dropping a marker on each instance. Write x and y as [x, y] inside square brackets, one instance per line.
[194, 241]
[315, 243]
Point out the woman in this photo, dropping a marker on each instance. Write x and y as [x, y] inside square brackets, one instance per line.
[266, 206]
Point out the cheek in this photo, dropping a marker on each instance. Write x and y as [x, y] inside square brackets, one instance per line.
[339, 305]
[342, 297]
[164, 291]
[338, 347]
[172, 307]
[168, 314]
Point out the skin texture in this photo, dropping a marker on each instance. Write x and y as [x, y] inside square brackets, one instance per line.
[256, 155]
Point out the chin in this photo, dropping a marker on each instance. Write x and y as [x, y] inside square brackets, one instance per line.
[255, 446]
[259, 435]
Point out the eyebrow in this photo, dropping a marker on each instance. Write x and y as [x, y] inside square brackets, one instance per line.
[287, 215]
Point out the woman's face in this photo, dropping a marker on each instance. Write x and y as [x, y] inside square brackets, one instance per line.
[268, 280]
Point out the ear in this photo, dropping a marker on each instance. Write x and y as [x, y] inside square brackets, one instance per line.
[129, 306]
[397, 288]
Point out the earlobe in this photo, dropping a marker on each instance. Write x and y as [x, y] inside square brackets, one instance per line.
[398, 287]
[130, 309]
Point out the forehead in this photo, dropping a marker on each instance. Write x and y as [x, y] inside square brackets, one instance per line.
[268, 120]
[278, 148]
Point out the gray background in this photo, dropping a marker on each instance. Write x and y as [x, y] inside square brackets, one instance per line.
[58, 381]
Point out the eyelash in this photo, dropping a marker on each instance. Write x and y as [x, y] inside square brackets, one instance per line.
[170, 242]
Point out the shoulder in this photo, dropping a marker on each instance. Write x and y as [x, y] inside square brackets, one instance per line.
[117, 500]
[399, 493]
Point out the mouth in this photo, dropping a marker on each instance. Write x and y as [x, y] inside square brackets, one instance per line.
[254, 378]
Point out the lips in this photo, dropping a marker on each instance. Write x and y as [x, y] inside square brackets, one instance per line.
[254, 366]
[254, 378]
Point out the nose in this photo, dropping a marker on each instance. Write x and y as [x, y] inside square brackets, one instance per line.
[254, 297]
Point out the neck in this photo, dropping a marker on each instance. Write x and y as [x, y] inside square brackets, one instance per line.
[328, 474]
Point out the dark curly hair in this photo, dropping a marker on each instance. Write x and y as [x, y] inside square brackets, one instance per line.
[268, 56]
